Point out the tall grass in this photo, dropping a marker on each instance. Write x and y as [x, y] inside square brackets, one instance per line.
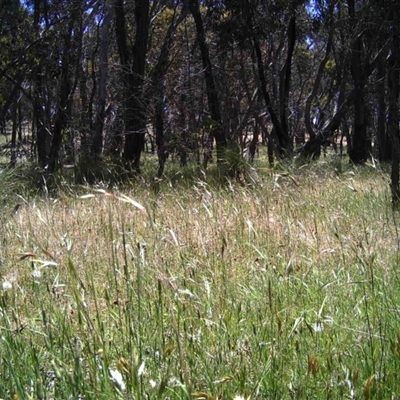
[286, 289]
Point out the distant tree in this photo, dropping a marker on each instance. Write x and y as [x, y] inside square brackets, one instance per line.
[100, 113]
[133, 74]
[393, 99]
[366, 51]
[217, 131]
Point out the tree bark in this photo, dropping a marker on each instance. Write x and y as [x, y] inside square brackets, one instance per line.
[284, 86]
[393, 116]
[158, 88]
[63, 107]
[359, 148]
[98, 125]
[217, 131]
[134, 101]
[39, 114]
[318, 78]
[384, 145]
[282, 141]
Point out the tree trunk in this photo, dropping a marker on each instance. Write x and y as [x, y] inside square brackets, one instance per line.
[384, 145]
[63, 108]
[135, 123]
[158, 88]
[282, 141]
[359, 147]
[216, 128]
[284, 86]
[13, 160]
[393, 117]
[70, 61]
[97, 134]
[318, 78]
[39, 115]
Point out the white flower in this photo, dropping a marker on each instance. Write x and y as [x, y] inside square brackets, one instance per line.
[318, 327]
[141, 369]
[116, 379]
[153, 383]
[36, 273]
[7, 285]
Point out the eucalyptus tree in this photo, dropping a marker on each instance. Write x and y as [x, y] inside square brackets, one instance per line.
[106, 16]
[393, 98]
[157, 89]
[133, 63]
[270, 29]
[15, 41]
[217, 131]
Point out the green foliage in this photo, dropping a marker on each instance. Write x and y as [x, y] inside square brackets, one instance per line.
[12, 184]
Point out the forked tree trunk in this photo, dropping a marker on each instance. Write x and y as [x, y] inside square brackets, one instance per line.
[319, 76]
[282, 140]
[158, 88]
[216, 130]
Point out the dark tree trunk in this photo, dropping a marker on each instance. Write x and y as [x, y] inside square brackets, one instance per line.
[280, 134]
[384, 145]
[13, 159]
[158, 89]
[97, 133]
[70, 64]
[359, 148]
[284, 87]
[183, 126]
[133, 76]
[135, 122]
[254, 143]
[318, 78]
[39, 115]
[217, 131]
[393, 94]
[63, 110]
[85, 120]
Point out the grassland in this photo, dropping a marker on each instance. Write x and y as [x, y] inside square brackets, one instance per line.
[288, 288]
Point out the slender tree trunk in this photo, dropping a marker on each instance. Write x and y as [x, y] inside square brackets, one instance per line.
[39, 115]
[135, 123]
[97, 133]
[67, 87]
[393, 117]
[318, 78]
[62, 116]
[158, 88]
[217, 131]
[359, 148]
[13, 159]
[284, 86]
[282, 140]
[85, 120]
[384, 145]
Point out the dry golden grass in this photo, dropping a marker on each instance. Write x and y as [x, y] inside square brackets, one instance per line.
[290, 224]
[251, 270]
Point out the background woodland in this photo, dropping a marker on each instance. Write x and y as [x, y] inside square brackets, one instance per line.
[88, 83]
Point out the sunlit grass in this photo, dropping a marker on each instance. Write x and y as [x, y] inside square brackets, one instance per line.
[286, 288]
